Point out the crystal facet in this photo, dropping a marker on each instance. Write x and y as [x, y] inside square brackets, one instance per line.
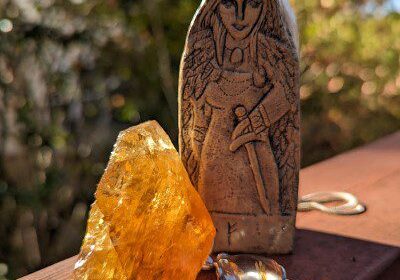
[147, 222]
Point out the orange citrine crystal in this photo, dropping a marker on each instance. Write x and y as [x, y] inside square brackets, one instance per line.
[147, 222]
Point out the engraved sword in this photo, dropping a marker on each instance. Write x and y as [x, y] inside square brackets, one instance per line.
[241, 114]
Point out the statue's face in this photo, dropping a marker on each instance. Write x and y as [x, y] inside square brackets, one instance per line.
[240, 16]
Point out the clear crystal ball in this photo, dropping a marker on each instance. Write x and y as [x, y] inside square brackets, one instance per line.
[248, 267]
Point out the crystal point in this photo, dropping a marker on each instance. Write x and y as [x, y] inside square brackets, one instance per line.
[147, 222]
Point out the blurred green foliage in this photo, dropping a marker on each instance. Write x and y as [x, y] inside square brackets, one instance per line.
[74, 73]
[351, 79]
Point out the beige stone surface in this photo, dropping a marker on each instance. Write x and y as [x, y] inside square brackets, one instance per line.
[239, 121]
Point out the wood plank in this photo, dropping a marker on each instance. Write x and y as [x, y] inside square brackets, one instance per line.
[59, 271]
[372, 173]
[332, 247]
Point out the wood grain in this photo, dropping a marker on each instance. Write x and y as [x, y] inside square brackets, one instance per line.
[331, 247]
[59, 271]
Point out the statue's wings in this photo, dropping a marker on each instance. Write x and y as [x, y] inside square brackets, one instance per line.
[280, 61]
[198, 68]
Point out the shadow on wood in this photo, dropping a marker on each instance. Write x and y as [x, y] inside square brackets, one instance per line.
[331, 257]
[317, 256]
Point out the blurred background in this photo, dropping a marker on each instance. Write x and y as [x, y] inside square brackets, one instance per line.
[73, 73]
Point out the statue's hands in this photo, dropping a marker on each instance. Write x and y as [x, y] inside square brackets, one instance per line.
[251, 128]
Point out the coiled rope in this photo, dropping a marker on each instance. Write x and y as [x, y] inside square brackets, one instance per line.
[316, 201]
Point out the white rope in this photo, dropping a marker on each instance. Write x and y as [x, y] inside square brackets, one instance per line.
[315, 201]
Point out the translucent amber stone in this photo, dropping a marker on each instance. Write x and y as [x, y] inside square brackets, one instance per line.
[147, 222]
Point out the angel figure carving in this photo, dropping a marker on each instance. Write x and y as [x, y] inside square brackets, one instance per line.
[239, 120]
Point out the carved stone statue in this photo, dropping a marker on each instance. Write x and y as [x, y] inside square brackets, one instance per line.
[239, 121]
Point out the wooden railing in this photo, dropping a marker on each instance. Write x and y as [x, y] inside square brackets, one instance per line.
[336, 247]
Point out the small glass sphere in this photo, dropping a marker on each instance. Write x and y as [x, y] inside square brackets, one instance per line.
[248, 267]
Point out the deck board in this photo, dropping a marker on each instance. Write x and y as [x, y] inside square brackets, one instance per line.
[331, 247]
